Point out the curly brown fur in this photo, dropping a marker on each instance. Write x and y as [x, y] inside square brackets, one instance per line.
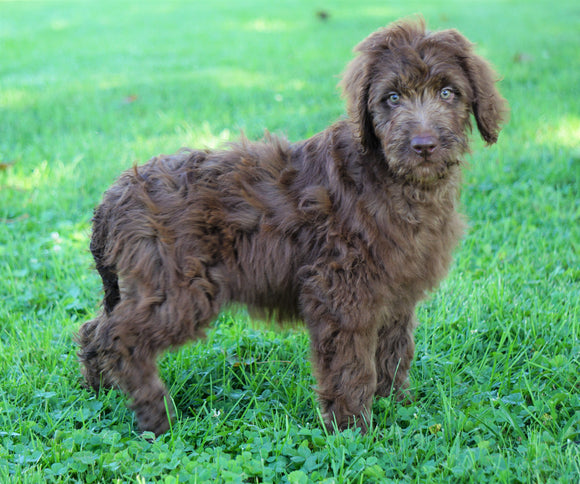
[347, 230]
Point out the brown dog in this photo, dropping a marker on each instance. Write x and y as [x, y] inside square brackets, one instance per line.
[347, 230]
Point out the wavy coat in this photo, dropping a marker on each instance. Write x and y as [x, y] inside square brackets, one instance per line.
[347, 230]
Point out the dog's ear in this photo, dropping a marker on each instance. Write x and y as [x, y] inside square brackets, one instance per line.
[359, 74]
[355, 85]
[489, 108]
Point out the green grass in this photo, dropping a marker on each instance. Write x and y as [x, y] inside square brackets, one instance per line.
[87, 88]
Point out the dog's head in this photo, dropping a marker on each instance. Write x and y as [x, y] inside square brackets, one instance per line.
[410, 92]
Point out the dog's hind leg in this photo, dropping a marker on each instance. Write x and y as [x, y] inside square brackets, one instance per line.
[114, 352]
[90, 354]
[108, 273]
[88, 336]
[140, 327]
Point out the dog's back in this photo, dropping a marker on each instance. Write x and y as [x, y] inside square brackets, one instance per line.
[232, 214]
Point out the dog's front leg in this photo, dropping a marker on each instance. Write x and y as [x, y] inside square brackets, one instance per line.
[343, 344]
[394, 353]
[345, 370]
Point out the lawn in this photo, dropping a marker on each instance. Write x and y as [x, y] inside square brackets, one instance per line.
[89, 88]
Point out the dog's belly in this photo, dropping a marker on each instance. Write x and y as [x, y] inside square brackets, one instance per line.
[263, 276]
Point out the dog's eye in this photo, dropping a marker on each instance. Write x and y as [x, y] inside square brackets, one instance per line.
[447, 94]
[394, 98]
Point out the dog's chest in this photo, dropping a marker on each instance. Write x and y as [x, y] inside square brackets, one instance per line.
[414, 248]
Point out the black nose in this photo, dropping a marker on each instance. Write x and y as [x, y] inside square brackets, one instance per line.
[424, 144]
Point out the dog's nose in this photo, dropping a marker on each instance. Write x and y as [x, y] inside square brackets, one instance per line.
[424, 144]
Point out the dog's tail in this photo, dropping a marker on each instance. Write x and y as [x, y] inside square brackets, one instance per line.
[107, 272]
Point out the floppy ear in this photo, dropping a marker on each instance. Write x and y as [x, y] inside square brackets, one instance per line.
[358, 76]
[355, 86]
[489, 108]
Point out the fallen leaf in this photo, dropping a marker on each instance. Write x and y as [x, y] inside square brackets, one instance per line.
[131, 99]
[522, 58]
[13, 220]
[7, 164]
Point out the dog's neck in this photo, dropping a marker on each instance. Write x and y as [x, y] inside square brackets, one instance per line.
[414, 202]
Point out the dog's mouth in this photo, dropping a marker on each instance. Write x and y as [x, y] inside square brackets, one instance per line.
[424, 168]
[423, 157]
[428, 170]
